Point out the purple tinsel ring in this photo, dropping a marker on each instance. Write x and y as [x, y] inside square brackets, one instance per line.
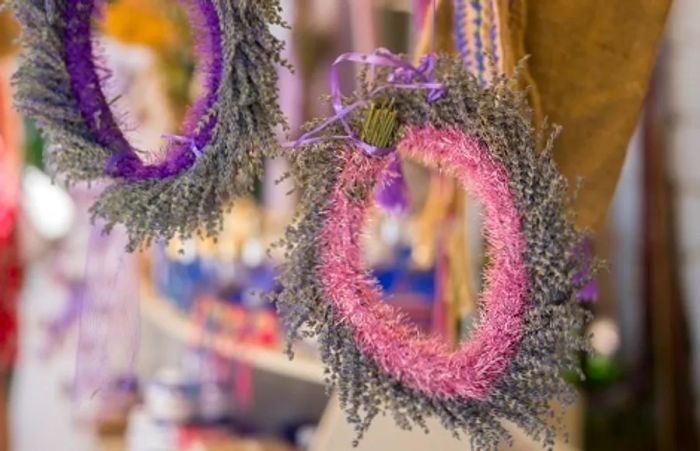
[86, 86]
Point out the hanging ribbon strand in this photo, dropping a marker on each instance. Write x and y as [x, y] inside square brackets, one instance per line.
[391, 193]
[405, 76]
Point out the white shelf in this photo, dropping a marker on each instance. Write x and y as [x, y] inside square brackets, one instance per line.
[166, 317]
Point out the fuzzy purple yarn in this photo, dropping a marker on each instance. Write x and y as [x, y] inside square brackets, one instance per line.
[209, 45]
[85, 83]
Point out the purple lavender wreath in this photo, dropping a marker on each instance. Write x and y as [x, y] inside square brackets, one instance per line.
[224, 137]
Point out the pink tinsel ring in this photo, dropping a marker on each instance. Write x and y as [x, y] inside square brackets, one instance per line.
[424, 362]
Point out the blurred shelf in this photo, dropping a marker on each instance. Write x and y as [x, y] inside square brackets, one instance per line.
[166, 317]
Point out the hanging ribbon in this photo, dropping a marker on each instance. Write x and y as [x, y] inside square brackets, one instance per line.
[109, 319]
[391, 192]
[405, 76]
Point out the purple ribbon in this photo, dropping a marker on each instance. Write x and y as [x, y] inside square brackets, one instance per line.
[391, 192]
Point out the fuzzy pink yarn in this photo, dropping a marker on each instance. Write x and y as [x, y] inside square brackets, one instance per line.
[382, 333]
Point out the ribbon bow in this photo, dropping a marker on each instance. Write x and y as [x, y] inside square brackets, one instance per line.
[391, 193]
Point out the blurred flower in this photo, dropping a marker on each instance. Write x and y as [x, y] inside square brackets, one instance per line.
[148, 22]
[162, 26]
[606, 336]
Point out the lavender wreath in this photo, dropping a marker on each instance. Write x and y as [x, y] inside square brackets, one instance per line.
[224, 137]
[530, 330]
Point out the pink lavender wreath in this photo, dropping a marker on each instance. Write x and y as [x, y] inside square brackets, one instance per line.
[225, 135]
[530, 327]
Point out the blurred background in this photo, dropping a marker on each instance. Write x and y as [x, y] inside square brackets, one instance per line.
[209, 370]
